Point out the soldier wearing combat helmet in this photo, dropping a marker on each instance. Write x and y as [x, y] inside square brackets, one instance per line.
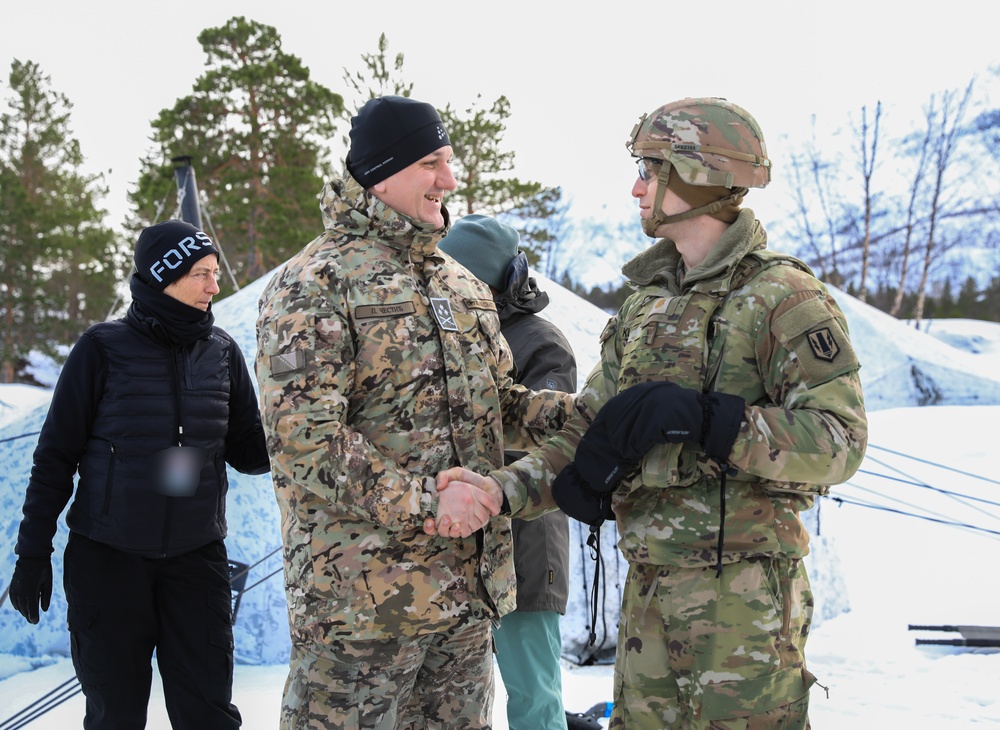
[727, 397]
[715, 150]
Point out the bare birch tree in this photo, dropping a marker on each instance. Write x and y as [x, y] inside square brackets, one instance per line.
[923, 153]
[868, 156]
[948, 124]
[813, 177]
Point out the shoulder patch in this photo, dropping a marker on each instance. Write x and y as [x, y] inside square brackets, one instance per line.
[287, 362]
[824, 344]
[818, 339]
[443, 313]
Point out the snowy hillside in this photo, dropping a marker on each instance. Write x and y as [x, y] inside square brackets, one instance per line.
[900, 367]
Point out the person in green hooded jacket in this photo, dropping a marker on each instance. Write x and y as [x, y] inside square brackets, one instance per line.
[528, 640]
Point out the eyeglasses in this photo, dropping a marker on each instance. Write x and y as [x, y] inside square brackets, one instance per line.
[649, 168]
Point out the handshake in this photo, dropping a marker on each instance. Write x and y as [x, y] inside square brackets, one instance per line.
[625, 428]
[466, 501]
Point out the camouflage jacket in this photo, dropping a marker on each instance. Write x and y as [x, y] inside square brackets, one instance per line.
[778, 340]
[380, 363]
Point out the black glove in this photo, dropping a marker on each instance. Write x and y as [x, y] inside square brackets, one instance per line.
[30, 586]
[645, 415]
[579, 500]
[582, 721]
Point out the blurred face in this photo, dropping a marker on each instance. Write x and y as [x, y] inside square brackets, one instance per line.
[418, 191]
[197, 287]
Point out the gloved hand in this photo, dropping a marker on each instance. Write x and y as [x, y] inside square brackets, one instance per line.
[645, 415]
[579, 500]
[30, 586]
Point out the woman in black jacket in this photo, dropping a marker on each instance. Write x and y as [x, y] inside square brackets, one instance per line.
[148, 409]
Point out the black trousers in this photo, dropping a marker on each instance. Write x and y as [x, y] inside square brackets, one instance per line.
[122, 607]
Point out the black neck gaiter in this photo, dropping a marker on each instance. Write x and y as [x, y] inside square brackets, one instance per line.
[169, 319]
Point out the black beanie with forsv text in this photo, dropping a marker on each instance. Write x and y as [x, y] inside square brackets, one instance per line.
[166, 251]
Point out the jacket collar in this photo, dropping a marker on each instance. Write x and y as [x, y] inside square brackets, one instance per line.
[661, 263]
[347, 206]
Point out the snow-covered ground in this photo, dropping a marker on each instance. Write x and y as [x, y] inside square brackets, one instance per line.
[913, 538]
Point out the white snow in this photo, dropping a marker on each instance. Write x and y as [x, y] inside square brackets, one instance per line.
[934, 402]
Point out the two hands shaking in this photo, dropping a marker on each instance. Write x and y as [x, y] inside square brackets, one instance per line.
[625, 428]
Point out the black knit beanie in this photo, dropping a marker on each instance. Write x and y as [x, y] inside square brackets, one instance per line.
[390, 133]
[166, 251]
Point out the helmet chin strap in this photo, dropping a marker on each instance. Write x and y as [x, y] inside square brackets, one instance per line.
[659, 218]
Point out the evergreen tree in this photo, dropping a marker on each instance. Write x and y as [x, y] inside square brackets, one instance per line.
[59, 262]
[378, 77]
[946, 302]
[256, 127]
[542, 222]
[990, 304]
[482, 169]
[480, 165]
[967, 304]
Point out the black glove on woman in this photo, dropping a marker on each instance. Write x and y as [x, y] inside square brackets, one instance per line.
[30, 586]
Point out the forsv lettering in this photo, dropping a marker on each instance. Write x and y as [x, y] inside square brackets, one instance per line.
[174, 258]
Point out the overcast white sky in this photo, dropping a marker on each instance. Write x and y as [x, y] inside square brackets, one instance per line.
[578, 75]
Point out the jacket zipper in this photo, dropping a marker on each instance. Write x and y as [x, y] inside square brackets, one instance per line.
[110, 479]
[168, 507]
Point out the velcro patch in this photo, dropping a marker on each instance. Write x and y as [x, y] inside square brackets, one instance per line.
[375, 311]
[287, 362]
[445, 316]
[817, 337]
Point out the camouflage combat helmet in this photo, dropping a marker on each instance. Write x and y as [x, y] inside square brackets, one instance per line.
[708, 141]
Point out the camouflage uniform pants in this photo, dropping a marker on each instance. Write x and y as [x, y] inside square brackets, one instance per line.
[430, 682]
[702, 652]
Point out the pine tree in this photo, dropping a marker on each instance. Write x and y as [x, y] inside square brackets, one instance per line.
[967, 304]
[485, 186]
[542, 222]
[256, 127]
[377, 77]
[990, 304]
[59, 262]
[480, 165]
[946, 301]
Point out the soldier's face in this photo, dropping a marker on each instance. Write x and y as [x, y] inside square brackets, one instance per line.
[418, 191]
[645, 192]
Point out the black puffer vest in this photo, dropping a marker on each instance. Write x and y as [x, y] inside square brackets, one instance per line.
[156, 396]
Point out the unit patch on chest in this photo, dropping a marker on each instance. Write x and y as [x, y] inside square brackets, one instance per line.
[443, 313]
